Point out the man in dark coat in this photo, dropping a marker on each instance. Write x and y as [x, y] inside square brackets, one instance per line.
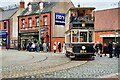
[59, 47]
[117, 49]
[110, 48]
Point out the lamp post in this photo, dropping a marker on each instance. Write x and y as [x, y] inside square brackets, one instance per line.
[39, 29]
[116, 32]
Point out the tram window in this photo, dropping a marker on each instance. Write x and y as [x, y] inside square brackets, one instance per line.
[74, 38]
[83, 36]
[90, 36]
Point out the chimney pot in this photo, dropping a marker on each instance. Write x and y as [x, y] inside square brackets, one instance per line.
[22, 4]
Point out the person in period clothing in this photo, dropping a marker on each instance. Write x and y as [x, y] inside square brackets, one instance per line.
[18, 46]
[105, 48]
[117, 49]
[44, 47]
[64, 48]
[59, 47]
[54, 48]
[114, 52]
[110, 48]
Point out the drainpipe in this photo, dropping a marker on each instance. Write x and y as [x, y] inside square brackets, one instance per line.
[50, 32]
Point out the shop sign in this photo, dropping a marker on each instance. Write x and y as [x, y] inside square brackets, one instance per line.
[44, 29]
[59, 19]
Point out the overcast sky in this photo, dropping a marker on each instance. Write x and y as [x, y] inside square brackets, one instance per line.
[99, 4]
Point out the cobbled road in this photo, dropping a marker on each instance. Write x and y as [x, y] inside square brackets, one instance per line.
[22, 64]
[101, 67]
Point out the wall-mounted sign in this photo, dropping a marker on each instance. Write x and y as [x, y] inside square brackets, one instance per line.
[44, 29]
[59, 19]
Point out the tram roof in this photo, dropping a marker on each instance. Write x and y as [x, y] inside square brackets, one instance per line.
[82, 8]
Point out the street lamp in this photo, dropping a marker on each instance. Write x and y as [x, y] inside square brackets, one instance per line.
[39, 29]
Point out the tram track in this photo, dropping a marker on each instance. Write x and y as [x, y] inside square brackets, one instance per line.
[36, 67]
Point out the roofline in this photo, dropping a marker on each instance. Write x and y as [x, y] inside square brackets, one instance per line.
[34, 14]
[82, 8]
[107, 9]
[28, 15]
[5, 20]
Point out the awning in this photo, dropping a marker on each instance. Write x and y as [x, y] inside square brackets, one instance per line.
[110, 35]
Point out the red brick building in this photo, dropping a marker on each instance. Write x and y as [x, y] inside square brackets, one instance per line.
[107, 25]
[9, 25]
[50, 33]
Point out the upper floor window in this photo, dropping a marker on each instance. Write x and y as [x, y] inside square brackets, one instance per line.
[37, 21]
[45, 20]
[5, 25]
[29, 22]
[23, 23]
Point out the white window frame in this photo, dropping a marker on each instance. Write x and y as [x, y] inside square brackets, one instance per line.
[37, 21]
[45, 20]
[23, 23]
[30, 22]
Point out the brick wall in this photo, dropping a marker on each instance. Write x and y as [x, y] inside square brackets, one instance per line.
[106, 19]
[61, 40]
[100, 39]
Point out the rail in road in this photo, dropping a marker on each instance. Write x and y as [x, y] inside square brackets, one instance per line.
[33, 64]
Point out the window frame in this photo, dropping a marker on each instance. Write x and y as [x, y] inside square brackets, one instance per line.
[23, 23]
[45, 20]
[30, 22]
[5, 27]
[37, 21]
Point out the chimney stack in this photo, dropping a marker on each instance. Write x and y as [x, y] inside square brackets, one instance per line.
[22, 4]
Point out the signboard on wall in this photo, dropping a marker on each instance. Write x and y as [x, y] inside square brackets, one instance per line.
[59, 19]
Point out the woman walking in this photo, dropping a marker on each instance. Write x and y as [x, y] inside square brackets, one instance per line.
[54, 48]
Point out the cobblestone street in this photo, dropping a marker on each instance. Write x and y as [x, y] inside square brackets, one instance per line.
[54, 65]
[99, 68]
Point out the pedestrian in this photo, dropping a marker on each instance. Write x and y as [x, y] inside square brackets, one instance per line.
[64, 48]
[100, 49]
[97, 47]
[32, 47]
[117, 49]
[114, 52]
[59, 47]
[18, 46]
[110, 48]
[44, 47]
[105, 48]
[54, 48]
[41, 47]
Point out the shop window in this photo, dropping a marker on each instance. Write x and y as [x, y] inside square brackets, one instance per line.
[29, 22]
[45, 20]
[23, 23]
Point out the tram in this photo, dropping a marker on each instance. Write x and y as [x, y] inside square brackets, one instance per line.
[79, 33]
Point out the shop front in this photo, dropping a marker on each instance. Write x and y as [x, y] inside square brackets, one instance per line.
[28, 37]
[110, 37]
[3, 39]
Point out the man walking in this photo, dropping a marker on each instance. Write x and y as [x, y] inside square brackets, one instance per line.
[110, 48]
